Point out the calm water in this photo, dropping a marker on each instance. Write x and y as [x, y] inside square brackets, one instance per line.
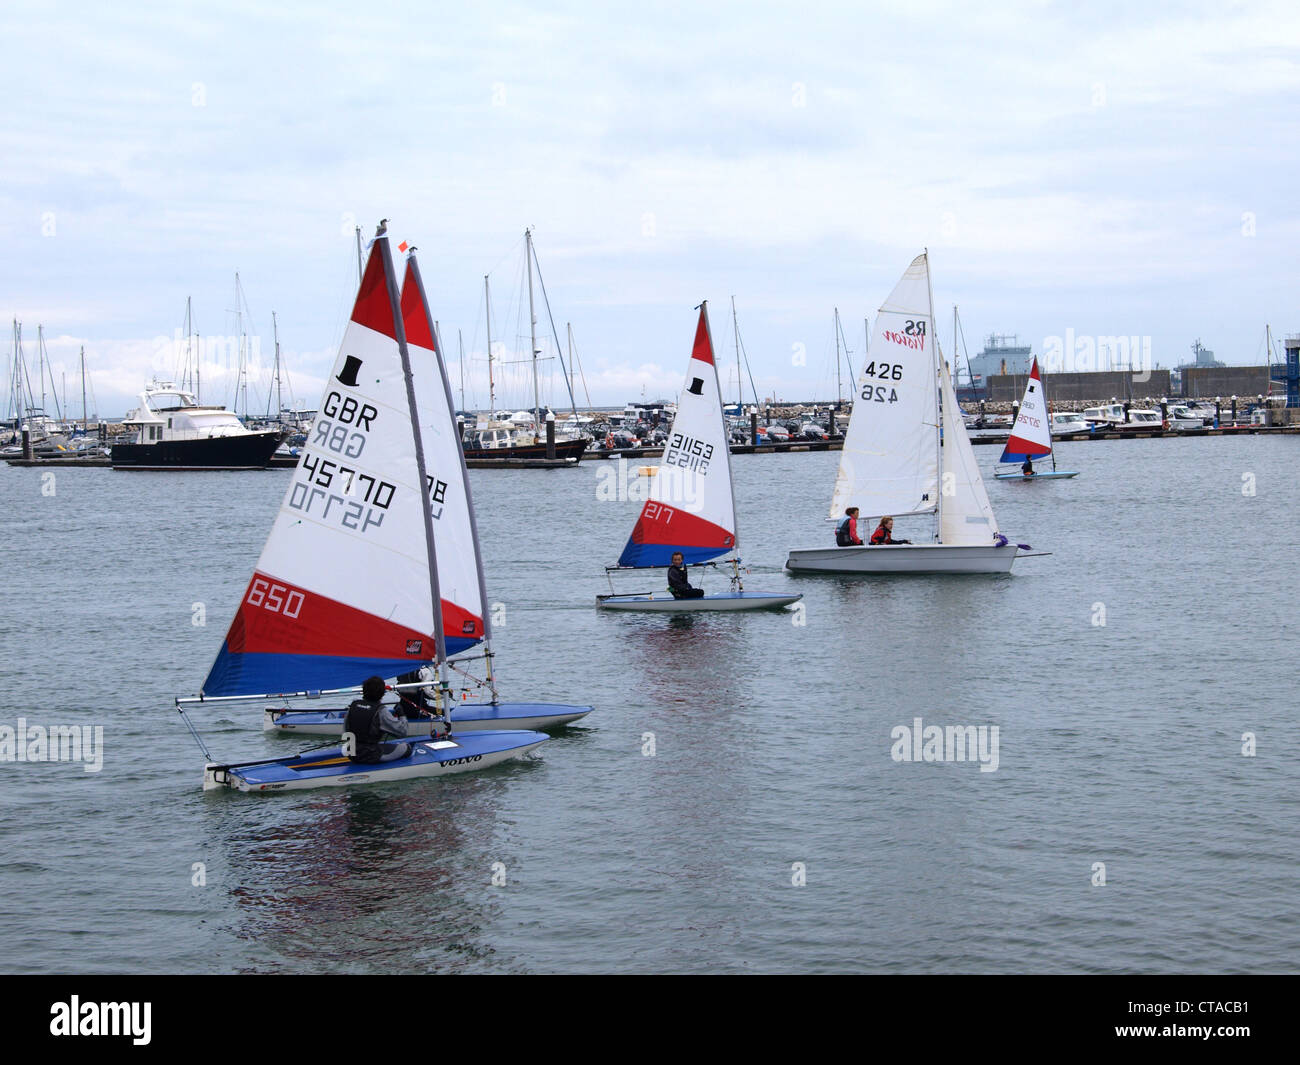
[1118, 743]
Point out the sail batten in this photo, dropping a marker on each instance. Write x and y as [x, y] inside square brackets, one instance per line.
[340, 590]
[691, 506]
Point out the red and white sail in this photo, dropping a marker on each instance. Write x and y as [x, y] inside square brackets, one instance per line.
[1031, 436]
[343, 586]
[459, 564]
[691, 507]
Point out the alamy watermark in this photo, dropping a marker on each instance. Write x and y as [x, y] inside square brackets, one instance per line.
[53, 743]
[1090, 354]
[674, 486]
[946, 743]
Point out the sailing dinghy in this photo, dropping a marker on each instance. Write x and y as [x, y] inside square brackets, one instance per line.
[905, 440]
[692, 503]
[347, 583]
[1031, 436]
[461, 579]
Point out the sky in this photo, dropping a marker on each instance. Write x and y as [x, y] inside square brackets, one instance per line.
[1107, 169]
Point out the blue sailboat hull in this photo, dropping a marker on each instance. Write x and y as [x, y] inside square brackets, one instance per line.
[466, 717]
[331, 768]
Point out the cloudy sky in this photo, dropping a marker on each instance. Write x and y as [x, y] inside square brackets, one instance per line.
[1111, 169]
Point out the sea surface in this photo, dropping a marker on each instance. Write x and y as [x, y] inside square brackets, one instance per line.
[770, 830]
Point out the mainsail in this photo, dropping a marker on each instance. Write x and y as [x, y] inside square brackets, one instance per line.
[965, 516]
[342, 589]
[889, 464]
[1031, 436]
[460, 580]
[691, 507]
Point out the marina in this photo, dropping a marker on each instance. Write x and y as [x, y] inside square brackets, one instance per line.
[590, 491]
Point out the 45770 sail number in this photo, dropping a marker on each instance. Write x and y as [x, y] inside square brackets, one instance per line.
[881, 371]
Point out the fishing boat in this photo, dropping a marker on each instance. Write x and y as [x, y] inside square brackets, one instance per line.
[1031, 436]
[692, 502]
[347, 585]
[906, 439]
[461, 578]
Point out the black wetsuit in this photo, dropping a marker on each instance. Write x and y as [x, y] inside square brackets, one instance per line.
[680, 586]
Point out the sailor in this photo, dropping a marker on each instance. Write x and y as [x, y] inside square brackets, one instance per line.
[1028, 468]
[678, 583]
[884, 533]
[846, 532]
[369, 721]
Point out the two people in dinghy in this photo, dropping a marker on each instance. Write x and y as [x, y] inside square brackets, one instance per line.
[368, 721]
[846, 533]
[678, 583]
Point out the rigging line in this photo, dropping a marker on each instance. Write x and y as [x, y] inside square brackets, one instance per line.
[745, 355]
[581, 373]
[559, 348]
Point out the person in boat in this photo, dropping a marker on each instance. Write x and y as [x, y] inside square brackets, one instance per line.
[419, 704]
[846, 532]
[369, 721]
[678, 583]
[884, 533]
[1028, 468]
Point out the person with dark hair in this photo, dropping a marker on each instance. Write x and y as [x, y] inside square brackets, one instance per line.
[884, 533]
[1028, 468]
[846, 532]
[678, 583]
[368, 722]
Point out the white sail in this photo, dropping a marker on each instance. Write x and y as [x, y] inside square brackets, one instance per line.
[1031, 436]
[889, 464]
[965, 516]
[343, 586]
[692, 506]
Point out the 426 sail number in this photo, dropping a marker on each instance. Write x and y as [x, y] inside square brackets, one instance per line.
[883, 371]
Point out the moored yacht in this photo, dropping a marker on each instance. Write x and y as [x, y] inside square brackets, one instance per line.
[174, 432]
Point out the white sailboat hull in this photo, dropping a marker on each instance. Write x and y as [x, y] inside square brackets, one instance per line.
[664, 603]
[905, 558]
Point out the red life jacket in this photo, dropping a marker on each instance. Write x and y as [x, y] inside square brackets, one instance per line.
[880, 536]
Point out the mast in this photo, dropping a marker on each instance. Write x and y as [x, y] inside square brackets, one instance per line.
[532, 331]
[726, 441]
[492, 394]
[839, 388]
[460, 344]
[469, 497]
[399, 327]
[279, 403]
[358, 255]
[40, 357]
[938, 429]
[740, 388]
[83, 388]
